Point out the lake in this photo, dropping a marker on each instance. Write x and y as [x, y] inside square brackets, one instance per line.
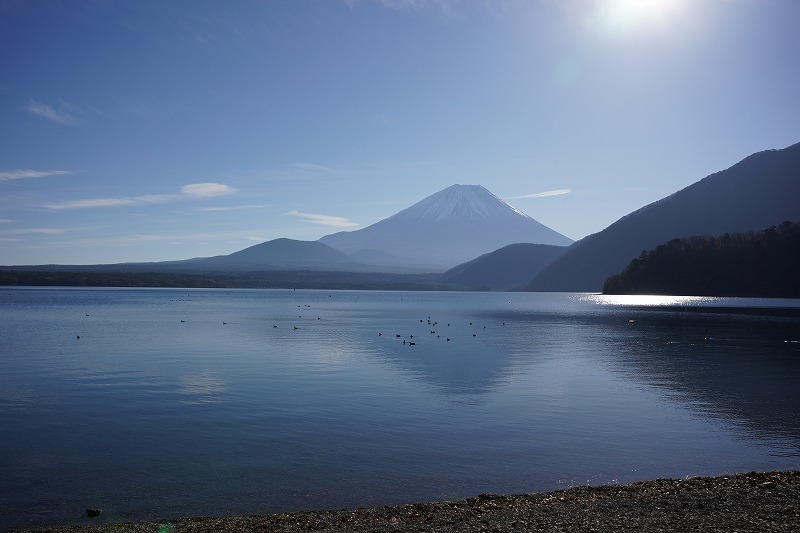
[159, 403]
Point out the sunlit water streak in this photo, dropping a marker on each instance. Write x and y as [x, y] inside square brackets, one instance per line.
[198, 402]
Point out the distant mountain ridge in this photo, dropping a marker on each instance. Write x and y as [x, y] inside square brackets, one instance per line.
[450, 227]
[468, 224]
[277, 254]
[282, 253]
[454, 225]
[760, 191]
[258, 267]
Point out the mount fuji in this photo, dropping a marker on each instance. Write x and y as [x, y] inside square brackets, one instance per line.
[450, 227]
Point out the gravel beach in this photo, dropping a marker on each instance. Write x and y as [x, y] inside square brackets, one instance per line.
[743, 502]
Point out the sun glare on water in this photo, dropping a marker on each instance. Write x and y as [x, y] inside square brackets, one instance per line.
[646, 300]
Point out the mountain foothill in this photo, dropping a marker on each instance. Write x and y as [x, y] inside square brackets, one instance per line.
[466, 238]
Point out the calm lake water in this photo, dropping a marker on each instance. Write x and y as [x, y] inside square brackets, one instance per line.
[207, 402]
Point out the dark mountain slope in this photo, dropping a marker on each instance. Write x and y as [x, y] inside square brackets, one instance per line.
[759, 191]
[511, 266]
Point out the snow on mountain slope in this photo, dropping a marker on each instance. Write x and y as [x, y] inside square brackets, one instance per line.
[449, 227]
[468, 201]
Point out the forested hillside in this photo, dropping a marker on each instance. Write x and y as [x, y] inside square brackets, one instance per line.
[764, 264]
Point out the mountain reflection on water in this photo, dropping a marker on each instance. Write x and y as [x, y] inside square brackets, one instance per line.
[738, 363]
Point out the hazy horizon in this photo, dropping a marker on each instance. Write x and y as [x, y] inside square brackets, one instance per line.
[150, 131]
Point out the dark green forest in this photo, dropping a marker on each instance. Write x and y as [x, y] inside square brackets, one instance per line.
[761, 264]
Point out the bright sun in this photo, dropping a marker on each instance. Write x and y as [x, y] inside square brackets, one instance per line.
[618, 17]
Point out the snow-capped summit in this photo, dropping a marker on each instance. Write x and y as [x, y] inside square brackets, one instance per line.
[454, 225]
[470, 201]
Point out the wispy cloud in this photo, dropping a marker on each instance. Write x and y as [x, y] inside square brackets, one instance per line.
[95, 202]
[325, 220]
[194, 191]
[29, 231]
[311, 167]
[140, 238]
[64, 113]
[305, 170]
[234, 208]
[27, 173]
[555, 192]
[404, 5]
[206, 190]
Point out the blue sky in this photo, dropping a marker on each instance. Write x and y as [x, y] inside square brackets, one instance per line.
[148, 130]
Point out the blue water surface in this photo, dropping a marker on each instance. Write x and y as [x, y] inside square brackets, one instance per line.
[160, 403]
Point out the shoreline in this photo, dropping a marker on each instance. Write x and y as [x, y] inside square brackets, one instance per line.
[754, 501]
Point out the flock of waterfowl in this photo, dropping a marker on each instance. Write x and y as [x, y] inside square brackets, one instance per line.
[434, 328]
[408, 340]
[432, 323]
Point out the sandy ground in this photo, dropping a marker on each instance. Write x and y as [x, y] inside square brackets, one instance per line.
[754, 502]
